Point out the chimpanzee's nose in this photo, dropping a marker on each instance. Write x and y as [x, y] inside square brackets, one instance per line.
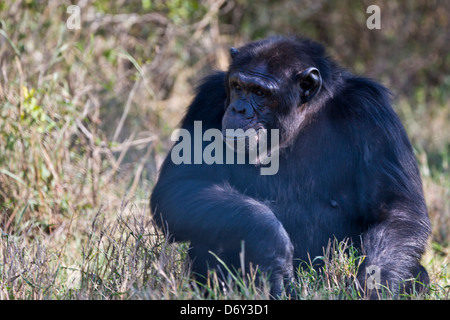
[242, 108]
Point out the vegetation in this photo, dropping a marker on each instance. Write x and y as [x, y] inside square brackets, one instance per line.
[86, 115]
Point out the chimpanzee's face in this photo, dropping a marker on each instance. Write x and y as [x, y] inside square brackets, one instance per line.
[261, 96]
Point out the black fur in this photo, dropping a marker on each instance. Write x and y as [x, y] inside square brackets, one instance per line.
[346, 171]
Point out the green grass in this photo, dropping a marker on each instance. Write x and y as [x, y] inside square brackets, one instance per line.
[85, 121]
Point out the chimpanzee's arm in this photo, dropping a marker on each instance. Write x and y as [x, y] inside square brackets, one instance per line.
[194, 203]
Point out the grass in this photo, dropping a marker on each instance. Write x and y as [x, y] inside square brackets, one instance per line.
[129, 259]
[85, 121]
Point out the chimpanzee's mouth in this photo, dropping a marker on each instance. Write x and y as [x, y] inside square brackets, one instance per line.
[241, 134]
[242, 141]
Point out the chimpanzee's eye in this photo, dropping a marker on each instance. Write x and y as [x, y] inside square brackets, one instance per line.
[259, 92]
[235, 85]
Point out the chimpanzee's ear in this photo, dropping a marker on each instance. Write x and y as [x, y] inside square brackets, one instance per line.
[310, 82]
[233, 52]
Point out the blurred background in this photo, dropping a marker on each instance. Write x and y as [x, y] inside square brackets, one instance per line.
[87, 106]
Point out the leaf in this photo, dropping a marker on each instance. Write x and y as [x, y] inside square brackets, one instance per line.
[12, 175]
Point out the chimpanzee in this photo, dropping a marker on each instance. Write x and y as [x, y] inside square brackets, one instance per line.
[338, 165]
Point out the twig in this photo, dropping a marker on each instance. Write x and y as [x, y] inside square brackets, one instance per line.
[116, 163]
[127, 20]
[84, 130]
[125, 111]
[137, 142]
[50, 166]
[139, 170]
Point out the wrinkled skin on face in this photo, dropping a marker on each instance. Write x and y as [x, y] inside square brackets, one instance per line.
[258, 99]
